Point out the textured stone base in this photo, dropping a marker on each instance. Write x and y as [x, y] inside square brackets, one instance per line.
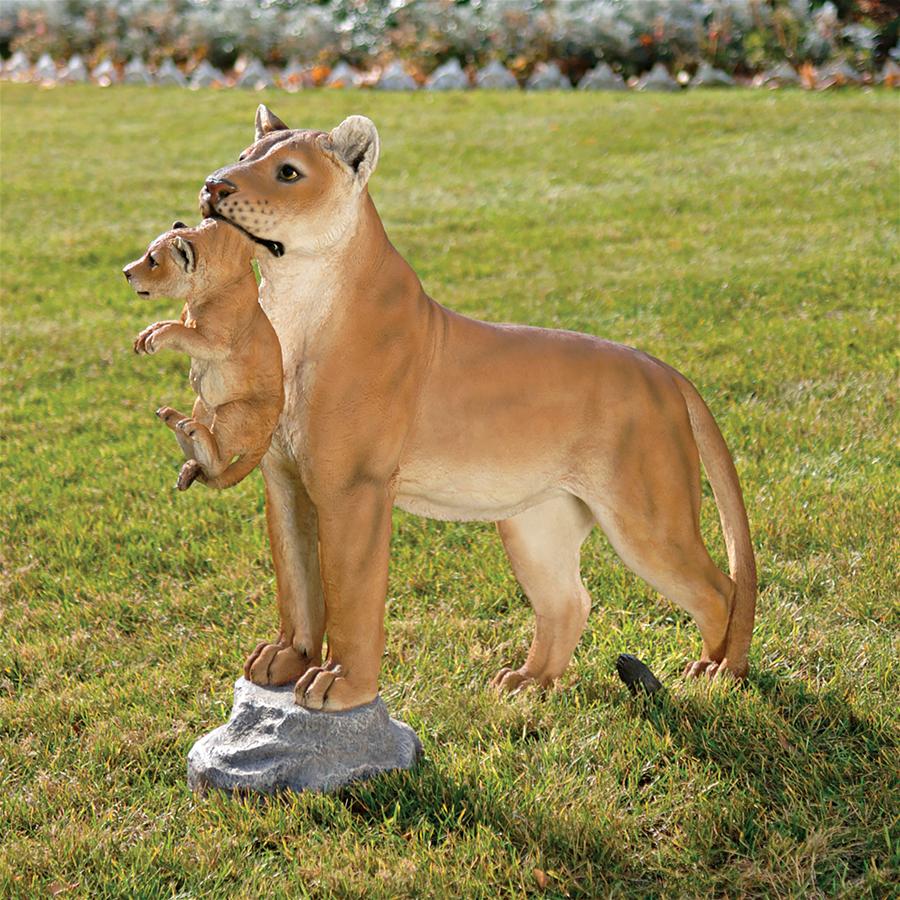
[270, 744]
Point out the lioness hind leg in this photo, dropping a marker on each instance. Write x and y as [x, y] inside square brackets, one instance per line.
[544, 547]
[671, 557]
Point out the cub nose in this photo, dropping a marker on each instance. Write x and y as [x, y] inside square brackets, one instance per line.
[219, 188]
[127, 273]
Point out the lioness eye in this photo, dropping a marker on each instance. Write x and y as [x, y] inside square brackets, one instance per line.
[153, 262]
[288, 173]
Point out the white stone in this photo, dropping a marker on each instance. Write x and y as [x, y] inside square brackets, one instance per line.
[136, 72]
[105, 73]
[295, 75]
[17, 66]
[270, 744]
[839, 73]
[602, 78]
[547, 77]
[206, 75]
[45, 70]
[448, 77]
[169, 73]
[658, 79]
[496, 77]
[254, 76]
[708, 76]
[781, 76]
[396, 78]
[74, 71]
[890, 74]
[342, 76]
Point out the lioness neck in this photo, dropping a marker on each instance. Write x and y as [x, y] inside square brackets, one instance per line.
[303, 294]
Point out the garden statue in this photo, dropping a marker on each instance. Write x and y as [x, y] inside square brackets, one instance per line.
[394, 400]
[235, 357]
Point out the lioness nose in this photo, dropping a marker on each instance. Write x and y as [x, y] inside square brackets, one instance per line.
[219, 188]
[127, 273]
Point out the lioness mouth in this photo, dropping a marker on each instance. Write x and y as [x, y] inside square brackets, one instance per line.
[276, 248]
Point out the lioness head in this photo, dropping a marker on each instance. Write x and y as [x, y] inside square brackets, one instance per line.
[295, 191]
[186, 261]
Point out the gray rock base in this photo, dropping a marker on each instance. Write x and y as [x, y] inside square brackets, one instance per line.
[270, 744]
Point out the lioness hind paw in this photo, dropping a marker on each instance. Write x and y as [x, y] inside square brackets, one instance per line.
[710, 668]
[511, 681]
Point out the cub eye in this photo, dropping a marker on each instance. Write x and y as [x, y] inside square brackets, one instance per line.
[288, 173]
[242, 157]
[153, 262]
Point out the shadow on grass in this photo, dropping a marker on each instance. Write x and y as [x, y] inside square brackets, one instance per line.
[801, 764]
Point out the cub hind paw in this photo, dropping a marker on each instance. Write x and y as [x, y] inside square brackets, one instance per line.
[189, 473]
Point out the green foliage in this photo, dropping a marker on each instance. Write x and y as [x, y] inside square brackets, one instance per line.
[749, 239]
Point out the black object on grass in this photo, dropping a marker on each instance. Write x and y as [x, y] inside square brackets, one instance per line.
[636, 675]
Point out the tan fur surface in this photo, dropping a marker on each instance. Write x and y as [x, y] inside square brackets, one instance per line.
[236, 368]
[392, 399]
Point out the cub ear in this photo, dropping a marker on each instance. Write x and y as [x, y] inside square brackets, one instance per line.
[178, 225]
[267, 122]
[183, 254]
[355, 143]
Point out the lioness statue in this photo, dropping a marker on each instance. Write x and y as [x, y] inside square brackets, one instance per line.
[393, 400]
[235, 356]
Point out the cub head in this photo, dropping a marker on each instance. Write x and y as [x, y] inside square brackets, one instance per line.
[295, 191]
[184, 261]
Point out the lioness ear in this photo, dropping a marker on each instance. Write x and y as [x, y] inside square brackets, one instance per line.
[267, 122]
[178, 225]
[183, 254]
[355, 142]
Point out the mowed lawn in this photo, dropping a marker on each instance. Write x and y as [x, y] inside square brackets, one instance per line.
[750, 239]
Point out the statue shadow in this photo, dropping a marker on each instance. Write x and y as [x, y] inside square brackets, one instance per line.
[800, 749]
[793, 759]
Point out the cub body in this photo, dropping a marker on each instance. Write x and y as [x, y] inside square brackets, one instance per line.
[235, 354]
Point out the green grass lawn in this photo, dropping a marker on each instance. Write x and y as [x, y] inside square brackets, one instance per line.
[750, 239]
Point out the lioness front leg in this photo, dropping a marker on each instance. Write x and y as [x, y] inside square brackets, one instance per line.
[291, 520]
[354, 544]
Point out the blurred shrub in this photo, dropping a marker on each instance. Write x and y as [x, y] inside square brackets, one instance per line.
[631, 35]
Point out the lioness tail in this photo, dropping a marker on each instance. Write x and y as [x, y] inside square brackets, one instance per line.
[726, 489]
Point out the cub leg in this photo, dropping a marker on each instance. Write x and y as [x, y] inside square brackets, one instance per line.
[216, 437]
[170, 418]
[544, 547]
[293, 538]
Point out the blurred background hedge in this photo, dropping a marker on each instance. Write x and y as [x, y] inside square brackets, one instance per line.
[738, 36]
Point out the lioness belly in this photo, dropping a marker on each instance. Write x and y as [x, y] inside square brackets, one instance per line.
[476, 494]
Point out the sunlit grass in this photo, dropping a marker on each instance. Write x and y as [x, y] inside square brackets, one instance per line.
[749, 239]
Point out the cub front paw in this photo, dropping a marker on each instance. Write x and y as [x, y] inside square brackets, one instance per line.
[328, 688]
[147, 340]
[275, 663]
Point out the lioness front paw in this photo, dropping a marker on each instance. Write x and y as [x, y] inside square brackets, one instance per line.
[710, 668]
[328, 688]
[275, 663]
[511, 681]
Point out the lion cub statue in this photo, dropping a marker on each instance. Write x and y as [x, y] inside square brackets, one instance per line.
[235, 354]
